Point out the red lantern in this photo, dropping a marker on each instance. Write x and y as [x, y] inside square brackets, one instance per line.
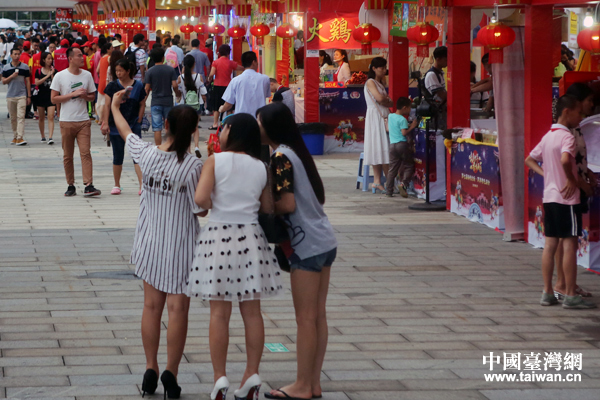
[86, 27]
[118, 26]
[110, 26]
[286, 31]
[260, 30]
[589, 39]
[217, 29]
[186, 30]
[366, 34]
[200, 29]
[496, 36]
[423, 34]
[236, 32]
[139, 26]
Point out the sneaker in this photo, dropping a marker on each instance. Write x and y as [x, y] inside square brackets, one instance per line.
[14, 141]
[577, 302]
[21, 142]
[402, 191]
[198, 154]
[43, 139]
[206, 112]
[50, 141]
[559, 296]
[90, 191]
[71, 191]
[548, 299]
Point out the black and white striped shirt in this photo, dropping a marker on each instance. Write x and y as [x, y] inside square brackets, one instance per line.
[166, 230]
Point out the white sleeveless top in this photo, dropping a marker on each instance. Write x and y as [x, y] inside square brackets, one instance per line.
[239, 183]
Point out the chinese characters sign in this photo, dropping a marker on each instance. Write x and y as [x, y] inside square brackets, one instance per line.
[332, 31]
[64, 17]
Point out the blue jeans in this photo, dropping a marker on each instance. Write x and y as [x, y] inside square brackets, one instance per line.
[159, 116]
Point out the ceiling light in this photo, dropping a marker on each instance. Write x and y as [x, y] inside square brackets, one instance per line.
[589, 20]
[183, 18]
[192, 18]
[176, 18]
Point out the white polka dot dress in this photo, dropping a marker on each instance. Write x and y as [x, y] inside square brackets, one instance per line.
[232, 260]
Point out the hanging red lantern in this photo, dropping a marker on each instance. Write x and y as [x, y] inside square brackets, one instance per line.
[139, 26]
[423, 34]
[200, 29]
[496, 36]
[110, 26]
[589, 39]
[236, 32]
[366, 34]
[118, 26]
[286, 31]
[217, 29]
[86, 27]
[186, 30]
[259, 31]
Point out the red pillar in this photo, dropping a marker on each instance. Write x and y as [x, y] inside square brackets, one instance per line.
[237, 50]
[459, 67]
[398, 67]
[95, 14]
[151, 20]
[538, 81]
[312, 78]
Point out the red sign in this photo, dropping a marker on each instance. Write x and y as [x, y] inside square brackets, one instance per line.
[332, 31]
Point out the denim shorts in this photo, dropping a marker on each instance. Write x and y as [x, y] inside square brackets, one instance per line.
[159, 116]
[118, 144]
[315, 263]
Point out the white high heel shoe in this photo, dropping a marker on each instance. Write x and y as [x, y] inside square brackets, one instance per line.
[250, 389]
[220, 390]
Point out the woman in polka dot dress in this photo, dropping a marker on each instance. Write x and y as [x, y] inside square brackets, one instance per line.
[233, 260]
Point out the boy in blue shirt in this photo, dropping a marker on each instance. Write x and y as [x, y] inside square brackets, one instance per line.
[401, 154]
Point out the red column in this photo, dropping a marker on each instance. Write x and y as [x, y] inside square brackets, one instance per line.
[459, 67]
[151, 20]
[538, 81]
[95, 14]
[237, 50]
[398, 67]
[312, 78]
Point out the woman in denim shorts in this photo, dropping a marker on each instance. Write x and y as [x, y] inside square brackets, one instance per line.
[299, 197]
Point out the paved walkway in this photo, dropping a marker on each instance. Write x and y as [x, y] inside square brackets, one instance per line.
[416, 299]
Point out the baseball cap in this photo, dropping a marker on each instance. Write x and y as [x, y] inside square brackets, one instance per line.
[116, 43]
[87, 44]
[26, 44]
[76, 45]
[64, 43]
[209, 41]
[95, 41]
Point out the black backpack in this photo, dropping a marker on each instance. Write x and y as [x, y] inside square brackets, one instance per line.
[130, 55]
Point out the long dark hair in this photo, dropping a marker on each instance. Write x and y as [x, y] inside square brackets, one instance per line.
[126, 65]
[326, 58]
[377, 62]
[344, 54]
[183, 122]
[188, 64]
[115, 56]
[281, 128]
[244, 134]
[43, 57]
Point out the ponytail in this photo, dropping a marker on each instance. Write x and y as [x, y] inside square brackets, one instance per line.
[183, 122]
[188, 65]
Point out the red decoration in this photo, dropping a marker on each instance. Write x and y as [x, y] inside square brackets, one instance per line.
[260, 30]
[286, 31]
[423, 34]
[366, 34]
[139, 26]
[86, 27]
[236, 32]
[589, 39]
[496, 36]
[217, 29]
[200, 29]
[118, 26]
[186, 30]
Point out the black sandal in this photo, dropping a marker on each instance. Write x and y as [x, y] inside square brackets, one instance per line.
[213, 128]
[287, 396]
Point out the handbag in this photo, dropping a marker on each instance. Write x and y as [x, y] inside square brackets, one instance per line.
[385, 120]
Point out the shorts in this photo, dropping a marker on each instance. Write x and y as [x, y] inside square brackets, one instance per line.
[315, 263]
[217, 97]
[562, 220]
[159, 116]
[118, 144]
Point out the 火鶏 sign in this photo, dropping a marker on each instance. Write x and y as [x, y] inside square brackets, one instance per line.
[64, 18]
[333, 31]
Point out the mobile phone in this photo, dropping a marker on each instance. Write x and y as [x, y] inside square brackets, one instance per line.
[128, 90]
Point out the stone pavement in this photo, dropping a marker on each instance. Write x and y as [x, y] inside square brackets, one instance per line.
[416, 299]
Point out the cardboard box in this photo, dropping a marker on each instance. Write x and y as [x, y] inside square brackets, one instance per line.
[361, 62]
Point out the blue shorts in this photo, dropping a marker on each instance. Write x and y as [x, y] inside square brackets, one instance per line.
[159, 116]
[118, 144]
[315, 263]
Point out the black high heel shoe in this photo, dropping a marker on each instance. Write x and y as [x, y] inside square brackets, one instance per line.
[170, 383]
[150, 382]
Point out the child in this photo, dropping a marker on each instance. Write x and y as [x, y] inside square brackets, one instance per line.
[401, 153]
[562, 214]
[233, 260]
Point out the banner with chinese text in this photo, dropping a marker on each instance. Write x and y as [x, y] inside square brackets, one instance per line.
[64, 18]
[333, 31]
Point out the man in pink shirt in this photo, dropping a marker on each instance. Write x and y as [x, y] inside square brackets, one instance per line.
[562, 214]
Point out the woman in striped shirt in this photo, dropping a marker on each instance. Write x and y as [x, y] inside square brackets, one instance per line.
[165, 236]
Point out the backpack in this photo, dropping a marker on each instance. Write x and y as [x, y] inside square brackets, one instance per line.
[130, 55]
[191, 97]
[439, 76]
[171, 59]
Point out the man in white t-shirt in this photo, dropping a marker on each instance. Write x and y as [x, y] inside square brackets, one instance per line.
[436, 84]
[73, 88]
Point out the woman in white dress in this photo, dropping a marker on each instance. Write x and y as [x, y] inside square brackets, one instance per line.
[377, 143]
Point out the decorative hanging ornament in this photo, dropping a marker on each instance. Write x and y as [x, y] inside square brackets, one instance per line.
[118, 26]
[236, 32]
[423, 34]
[217, 29]
[139, 26]
[200, 29]
[366, 34]
[286, 31]
[496, 36]
[259, 31]
[589, 39]
[186, 29]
